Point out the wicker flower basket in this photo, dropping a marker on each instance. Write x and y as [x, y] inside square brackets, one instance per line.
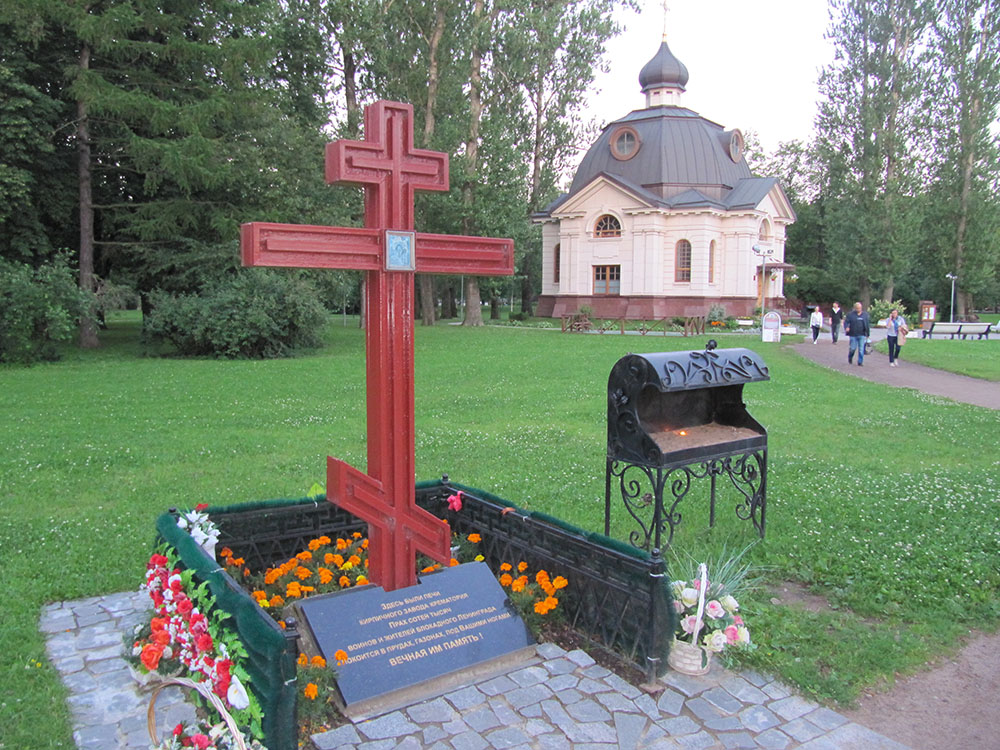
[687, 658]
[207, 693]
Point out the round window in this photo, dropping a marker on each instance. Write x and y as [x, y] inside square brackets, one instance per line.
[625, 143]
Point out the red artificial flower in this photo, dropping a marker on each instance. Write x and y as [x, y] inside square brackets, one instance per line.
[162, 637]
[158, 623]
[455, 502]
[157, 561]
[184, 606]
[150, 656]
[178, 730]
[201, 506]
[201, 741]
[203, 642]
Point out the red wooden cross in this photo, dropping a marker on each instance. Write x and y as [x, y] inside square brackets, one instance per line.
[389, 251]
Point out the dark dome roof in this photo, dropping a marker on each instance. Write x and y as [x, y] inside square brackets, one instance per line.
[663, 70]
[677, 150]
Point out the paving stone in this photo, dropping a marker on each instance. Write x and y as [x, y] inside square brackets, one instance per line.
[662, 743]
[592, 687]
[744, 691]
[437, 711]
[481, 719]
[391, 725]
[79, 682]
[688, 685]
[756, 678]
[722, 700]
[456, 726]
[776, 691]
[670, 702]
[625, 688]
[465, 698]
[703, 709]
[853, 736]
[549, 650]
[469, 741]
[84, 621]
[69, 664]
[507, 737]
[136, 741]
[792, 707]
[107, 666]
[528, 696]
[562, 682]
[647, 705]
[724, 724]
[433, 734]
[57, 622]
[345, 735]
[826, 719]
[615, 702]
[440, 745]
[529, 676]
[504, 712]
[497, 685]
[679, 725]
[560, 666]
[698, 741]
[773, 740]
[736, 740]
[588, 710]
[410, 743]
[537, 727]
[572, 695]
[553, 742]
[556, 713]
[97, 738]
[377, 745]
[580, 657]
[532, 712]
[758, 718]
[629, 728]
[92, 638]
[99, 654]
[597, 731]
[801, 730]
[595, 671]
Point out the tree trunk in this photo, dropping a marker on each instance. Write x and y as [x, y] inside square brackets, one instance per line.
[526, 294]
[351, 93]
[448, 302]
[88, 330]
[473, 303]
[427, 302]
[473, 311]
[494, 307]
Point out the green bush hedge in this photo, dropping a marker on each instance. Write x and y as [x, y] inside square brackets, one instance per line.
[256, 314]
[39, 307]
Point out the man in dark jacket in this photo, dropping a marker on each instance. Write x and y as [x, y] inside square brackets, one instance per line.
[858, 329]
[836, 318]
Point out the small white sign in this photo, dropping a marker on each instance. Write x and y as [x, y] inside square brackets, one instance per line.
[771, 328]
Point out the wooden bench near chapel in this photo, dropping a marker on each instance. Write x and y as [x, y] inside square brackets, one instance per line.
[980, 330]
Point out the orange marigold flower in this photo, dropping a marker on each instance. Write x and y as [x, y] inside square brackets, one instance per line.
[430, 568]
[453, 562]
[311, 691]
[474, 538]
[258, 595]
[505, 566]
[548, 588]
[559, 582]
[325, 575]
[276, 601]
[293, 590]
[342, 544]
[522, 566]
[364, 544]
[281, 624]
[314, 544]
[303, 660]
[340, 655]
[328, 558]
[246, 572]
[519, 583]
[337, 560]
[225, 552]
[361, 581]
[541, 575]
[302, 573]
[237, 561]
[306, 589]
[356, 534]
[305, 555]
[317, 661]
[344, 582]
[323, 540]
[354, 560]
[506, 579]
[552, 602]
[540, 608]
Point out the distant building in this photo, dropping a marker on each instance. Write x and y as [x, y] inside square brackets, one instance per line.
[662, 216]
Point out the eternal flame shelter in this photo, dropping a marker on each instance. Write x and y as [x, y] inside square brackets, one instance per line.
[663, 217]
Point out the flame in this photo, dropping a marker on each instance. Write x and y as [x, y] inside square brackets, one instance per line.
[682, 433]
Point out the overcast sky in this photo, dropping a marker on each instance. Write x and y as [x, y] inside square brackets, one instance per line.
[753, 64]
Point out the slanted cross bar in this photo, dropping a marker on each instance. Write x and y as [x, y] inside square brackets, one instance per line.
[390, 170]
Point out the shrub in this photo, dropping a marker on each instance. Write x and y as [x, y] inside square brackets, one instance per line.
[256, 314]
[880, 309]
[716, 314]
[38, 309]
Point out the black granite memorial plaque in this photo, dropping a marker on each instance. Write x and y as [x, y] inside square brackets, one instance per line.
[451, 620]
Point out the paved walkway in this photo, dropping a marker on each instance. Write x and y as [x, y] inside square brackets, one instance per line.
[908, 374]
[563, 700]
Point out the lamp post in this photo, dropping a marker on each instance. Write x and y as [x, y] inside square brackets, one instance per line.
[953, 278]
[763, 252]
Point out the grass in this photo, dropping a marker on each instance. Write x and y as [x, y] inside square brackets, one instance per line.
[874, 496]
[972, 357]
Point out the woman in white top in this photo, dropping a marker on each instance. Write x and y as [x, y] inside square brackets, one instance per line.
[816, 321]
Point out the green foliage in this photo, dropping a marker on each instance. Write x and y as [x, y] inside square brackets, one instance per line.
[716, 314]
[880, 309]
[255, 314]
[977, 359]
[38, 309]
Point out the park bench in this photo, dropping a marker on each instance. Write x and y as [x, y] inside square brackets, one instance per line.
[980, 330]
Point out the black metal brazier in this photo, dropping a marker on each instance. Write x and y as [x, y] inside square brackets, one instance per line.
[674, 417]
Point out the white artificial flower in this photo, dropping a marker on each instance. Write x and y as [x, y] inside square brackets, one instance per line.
[689, 597]
[730, 603]
[715, 641]
[237, 694]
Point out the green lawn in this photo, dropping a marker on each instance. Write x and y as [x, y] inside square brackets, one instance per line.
[875, 498]
[978, 359]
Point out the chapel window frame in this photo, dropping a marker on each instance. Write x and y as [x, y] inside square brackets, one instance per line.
[625, 143]
[607, 226]
[556, 263]
[682, 262]
[607, 280]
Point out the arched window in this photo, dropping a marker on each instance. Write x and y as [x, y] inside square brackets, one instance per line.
[711, 262]
[555, 265]
[682, 261]
[608, 226]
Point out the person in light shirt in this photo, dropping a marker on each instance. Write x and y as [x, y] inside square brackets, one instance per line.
[895, 334]
[816, 321]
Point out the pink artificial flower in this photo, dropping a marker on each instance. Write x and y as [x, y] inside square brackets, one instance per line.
[737, 619]
[732, 634]
[714, 610]
[678, 606]
[688, 623]
[201, 741]
[455, 502]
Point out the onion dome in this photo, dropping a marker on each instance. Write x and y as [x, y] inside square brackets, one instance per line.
[664, 70]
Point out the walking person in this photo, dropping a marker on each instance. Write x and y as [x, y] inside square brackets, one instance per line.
[836, 318]
[895, 333]
[816, 321]
[858, 329]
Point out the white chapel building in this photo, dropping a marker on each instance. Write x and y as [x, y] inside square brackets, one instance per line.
[663, 217]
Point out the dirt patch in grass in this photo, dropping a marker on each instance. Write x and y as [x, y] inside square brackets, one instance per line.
[794, 594]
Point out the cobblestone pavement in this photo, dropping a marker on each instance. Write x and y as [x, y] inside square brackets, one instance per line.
[564, 700]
